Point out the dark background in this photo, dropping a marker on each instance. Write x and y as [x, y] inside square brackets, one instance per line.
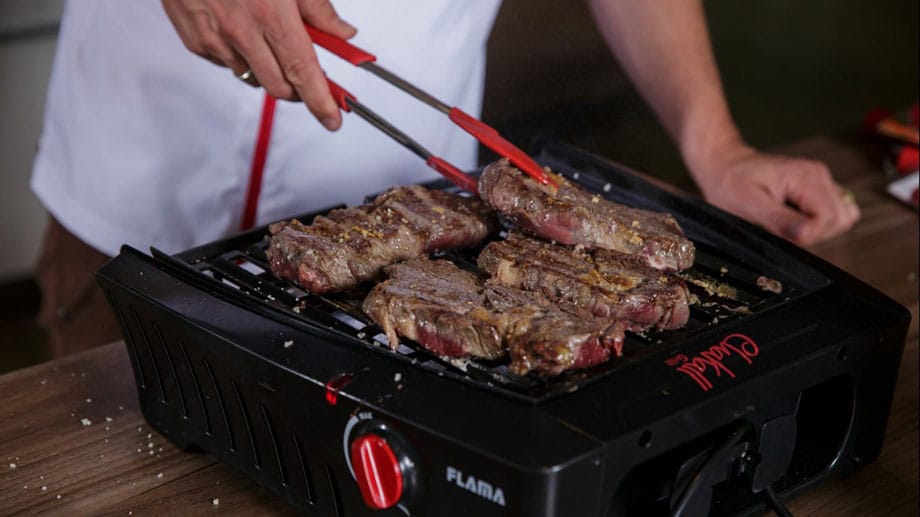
[790, 69]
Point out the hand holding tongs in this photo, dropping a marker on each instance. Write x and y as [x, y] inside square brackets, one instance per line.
[482, 132]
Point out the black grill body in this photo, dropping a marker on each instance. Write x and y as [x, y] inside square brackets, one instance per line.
[760, 389]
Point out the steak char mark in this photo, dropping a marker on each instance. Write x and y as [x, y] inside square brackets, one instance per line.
[352, 245]
[454, 313]
[604, 284]
[570, 215]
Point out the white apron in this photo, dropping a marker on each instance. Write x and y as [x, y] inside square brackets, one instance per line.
[146, 144]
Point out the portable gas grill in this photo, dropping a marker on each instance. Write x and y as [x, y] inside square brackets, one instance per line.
[765, 391]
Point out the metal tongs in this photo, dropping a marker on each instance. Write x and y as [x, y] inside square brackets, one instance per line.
[481, 131]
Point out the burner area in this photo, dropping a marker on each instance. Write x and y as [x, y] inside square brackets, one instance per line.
[782, 377]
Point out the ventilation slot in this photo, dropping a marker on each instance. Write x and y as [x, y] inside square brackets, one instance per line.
[334, 489]
[153, 359]
[191, 371]
[307, 480]
[256, 460]
[275, 445]
[172, 370]
[231, 443]
[129, 340]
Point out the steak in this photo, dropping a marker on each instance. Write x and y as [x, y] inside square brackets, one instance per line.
[570, 215]
[606, 284]
[454, 313]
[352, 245]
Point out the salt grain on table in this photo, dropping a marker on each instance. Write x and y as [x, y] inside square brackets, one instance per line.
[86, 422]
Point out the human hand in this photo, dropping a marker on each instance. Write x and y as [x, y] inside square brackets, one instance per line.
[268, 38]
[792, 197]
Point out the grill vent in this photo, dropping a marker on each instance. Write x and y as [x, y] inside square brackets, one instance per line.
[282, 470]
[334, 488]
[231, 442]
[307, 479]
[247, 423]
[172, 370]
[205, 417]
[132, 346]
[153, 360]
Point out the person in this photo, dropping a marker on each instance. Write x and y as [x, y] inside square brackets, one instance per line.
[147, 144]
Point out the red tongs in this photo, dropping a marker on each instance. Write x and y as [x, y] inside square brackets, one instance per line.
[482, 132]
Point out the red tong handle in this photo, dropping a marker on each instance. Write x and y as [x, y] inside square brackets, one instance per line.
[340, 47]
[341, 95]
[491, 139]
[453, 174]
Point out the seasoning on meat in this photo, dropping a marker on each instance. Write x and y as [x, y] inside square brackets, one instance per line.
[352, 245]
[602, 283]
[570, 215]
[454, 313]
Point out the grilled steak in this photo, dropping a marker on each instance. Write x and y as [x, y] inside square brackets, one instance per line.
[453, 313]
[571, 215]
[606, 284]
[352, 245]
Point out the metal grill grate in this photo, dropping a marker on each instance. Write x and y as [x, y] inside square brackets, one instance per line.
[722, 290]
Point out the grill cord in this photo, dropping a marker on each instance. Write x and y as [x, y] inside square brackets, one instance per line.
[769, 496]
[259, 155]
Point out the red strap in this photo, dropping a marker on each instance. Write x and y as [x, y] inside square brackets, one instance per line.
[258, 163]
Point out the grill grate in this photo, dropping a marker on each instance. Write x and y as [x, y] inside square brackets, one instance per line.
[722, 290]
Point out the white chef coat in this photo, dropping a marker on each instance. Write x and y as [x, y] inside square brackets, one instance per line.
[146, 144]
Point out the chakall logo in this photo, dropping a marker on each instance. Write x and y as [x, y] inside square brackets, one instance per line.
[734, 348]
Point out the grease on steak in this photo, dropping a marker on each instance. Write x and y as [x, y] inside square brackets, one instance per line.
[603, 283]
[570, 215]
[351, 245]
[454, 313]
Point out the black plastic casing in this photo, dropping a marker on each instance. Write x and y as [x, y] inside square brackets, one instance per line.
[224, 374]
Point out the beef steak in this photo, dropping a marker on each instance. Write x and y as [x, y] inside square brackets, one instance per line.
[570, 215]
[605, 284]
[351, 245]
[454, 313]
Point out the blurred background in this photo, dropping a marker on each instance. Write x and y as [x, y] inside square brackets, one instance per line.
[790, 69]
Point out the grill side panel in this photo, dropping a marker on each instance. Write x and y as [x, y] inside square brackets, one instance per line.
[192, 390]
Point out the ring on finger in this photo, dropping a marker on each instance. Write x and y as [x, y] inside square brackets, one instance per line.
[248, 77]
[847, 196]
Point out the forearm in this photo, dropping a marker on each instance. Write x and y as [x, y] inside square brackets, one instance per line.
[663, 45]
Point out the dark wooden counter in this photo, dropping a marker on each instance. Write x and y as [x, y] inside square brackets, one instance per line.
[73, 441]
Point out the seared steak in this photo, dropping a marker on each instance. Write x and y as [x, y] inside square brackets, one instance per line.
[453, 313]
[606, 284]
[351, 245]
[571, 215]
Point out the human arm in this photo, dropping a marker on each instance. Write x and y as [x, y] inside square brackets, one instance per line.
[664, 48]
[268, 38]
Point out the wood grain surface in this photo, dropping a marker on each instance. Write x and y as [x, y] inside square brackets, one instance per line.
[73, 441]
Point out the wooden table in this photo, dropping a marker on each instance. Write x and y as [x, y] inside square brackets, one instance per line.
[73, 441]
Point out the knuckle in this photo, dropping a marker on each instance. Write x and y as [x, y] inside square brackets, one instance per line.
[278, 88]
[212, 45]
[232, 29]
[297, 70]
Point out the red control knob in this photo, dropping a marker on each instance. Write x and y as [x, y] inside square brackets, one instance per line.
[376, 471]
